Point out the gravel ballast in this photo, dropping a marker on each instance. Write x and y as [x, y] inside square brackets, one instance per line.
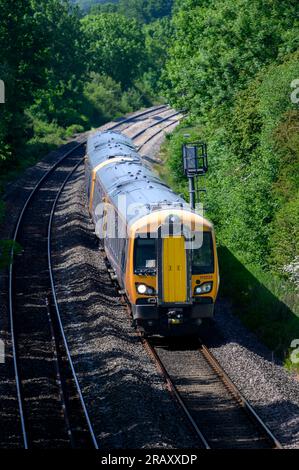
[126, 397]
[272, 390]
[15, 197]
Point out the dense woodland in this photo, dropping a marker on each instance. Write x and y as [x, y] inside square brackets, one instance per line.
[232, 64]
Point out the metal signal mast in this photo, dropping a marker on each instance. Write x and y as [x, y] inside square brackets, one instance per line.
[195, 161]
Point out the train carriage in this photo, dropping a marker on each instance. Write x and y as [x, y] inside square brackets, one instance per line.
[163, 253]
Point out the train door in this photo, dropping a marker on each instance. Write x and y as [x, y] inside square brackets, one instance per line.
[174, 270]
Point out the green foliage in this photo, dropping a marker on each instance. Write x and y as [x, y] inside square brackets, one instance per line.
[263, 146]
[74, 129]
[105, 8]
[87, 5]
[231, 65]
[265, 303]
[51, 88]
[105, 99]
[6, 247]
[284, 239]
[253, 179]
[239, 91]
[221, 44]
[46, 132]
[145, 11]
[2, 207]
[17, 27]
[37, 67]
[158, 36]
[116, 46]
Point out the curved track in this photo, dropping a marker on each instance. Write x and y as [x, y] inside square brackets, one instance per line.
[216, 410]
[51, 405]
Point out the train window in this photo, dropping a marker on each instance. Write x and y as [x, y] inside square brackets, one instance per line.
[123, 256]
[145, 255]
[203, 257]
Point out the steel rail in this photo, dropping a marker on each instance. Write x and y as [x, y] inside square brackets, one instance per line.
[230, 386]
[58, 315]
[11, 311]
[173, 390]
[139, 133]
[143, 113]
[159, 364]
[59, 378]
[235, 392]
[157, 133]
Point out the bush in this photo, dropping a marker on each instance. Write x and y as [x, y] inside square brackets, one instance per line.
[74, 129]
[105, 100]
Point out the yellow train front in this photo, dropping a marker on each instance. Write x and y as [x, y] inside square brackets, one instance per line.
[163, 254]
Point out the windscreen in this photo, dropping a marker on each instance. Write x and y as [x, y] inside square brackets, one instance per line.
[145, 255]
[203, 257]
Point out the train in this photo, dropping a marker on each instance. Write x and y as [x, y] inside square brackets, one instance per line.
[162, 253]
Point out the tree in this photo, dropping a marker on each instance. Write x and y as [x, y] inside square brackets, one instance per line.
[104, 8]
[158, 36]
[116, 46]
[231, 65]
[92, 5]
[58, 29]
[36, 65]
[221, 44]
[21, 69]
[146, 11]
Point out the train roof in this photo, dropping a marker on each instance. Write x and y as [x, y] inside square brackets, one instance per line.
[127, 178]
[133, 183]
[104, 145]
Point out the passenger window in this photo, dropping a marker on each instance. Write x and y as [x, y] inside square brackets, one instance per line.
[123, 257]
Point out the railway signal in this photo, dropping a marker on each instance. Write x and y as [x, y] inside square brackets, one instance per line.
[195, 161]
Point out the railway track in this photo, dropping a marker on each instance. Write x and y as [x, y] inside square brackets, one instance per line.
[216, 410]
[51, 405]
[217, 413]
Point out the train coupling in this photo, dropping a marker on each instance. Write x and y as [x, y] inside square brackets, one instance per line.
[175, 317]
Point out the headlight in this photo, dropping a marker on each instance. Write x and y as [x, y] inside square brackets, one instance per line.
[141, 288]
[204, 288]
[145, 290]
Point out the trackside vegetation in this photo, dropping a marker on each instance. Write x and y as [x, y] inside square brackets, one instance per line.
[232, 65]
[66, 70]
